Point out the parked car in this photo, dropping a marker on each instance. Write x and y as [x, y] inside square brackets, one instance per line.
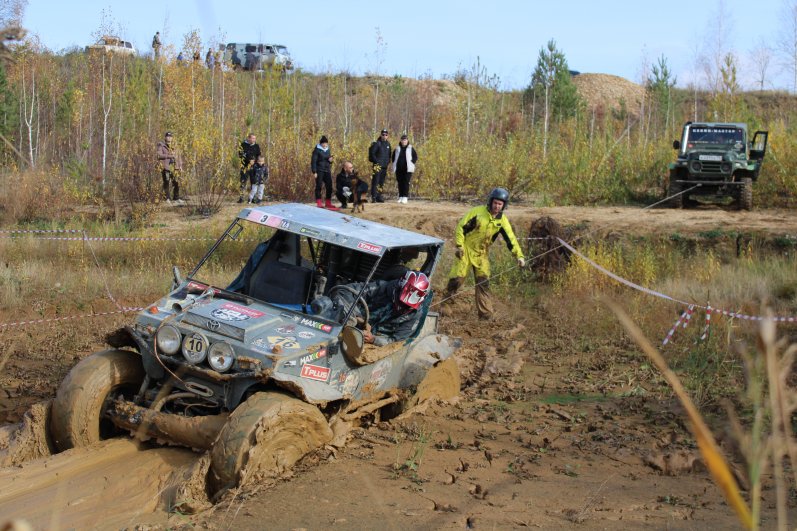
[259, 370]
[716, 161]
[111, 44]
[254, 56]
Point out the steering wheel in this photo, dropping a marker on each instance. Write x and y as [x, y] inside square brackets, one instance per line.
[359, 300]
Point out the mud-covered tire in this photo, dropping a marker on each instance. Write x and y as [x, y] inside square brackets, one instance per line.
[678, 200]
[76, 417]
[442, 381]
[746, 194]
[264, 437]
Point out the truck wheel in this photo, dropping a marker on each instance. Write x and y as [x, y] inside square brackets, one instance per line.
[672, 190]
[265, 436]
[76, 420]
[746, 194]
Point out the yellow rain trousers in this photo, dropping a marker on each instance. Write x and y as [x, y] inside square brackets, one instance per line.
[476, 231]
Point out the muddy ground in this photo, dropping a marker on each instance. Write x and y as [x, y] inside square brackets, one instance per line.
[534, 440]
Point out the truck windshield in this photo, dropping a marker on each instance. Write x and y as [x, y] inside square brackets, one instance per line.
[714, 135]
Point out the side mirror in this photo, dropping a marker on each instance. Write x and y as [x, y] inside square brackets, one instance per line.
[676, 144]
[177, 278]
[352, 343]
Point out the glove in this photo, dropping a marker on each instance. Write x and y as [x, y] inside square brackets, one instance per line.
[459, 253]
[521, 263]
[346, 191]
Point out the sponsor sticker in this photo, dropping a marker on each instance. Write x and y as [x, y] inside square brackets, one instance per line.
[261, 344]
[289, 316]
[310, 232]
[380, 372]
[286, 329]
[304, 334]
[314, 372]
[283, 342]
[315, 324]
[234, 312]
[350, 383]
[369, 247]
[312, 357]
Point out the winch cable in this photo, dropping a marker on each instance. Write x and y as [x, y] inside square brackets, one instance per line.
[559, 246]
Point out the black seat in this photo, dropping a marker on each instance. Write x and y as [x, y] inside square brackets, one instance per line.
[280, 283]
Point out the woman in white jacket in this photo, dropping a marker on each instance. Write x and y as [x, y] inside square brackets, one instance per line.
[404, 159]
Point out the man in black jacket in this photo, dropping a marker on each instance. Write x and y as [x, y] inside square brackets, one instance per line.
[379, 156]
[248, 152]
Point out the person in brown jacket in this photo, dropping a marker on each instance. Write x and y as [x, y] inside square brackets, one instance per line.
[171, 166]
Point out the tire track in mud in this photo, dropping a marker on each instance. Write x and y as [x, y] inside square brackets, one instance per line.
[114, 484]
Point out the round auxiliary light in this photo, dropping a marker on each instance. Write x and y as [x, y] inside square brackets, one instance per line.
[220, 357]
[195, 348]
[695, 166]
[168, 338]
[725, 167]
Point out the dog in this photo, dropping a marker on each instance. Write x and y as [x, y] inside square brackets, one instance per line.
[359, 190]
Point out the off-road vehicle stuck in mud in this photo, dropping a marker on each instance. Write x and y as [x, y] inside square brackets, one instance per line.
[716, 161]
[259, 371]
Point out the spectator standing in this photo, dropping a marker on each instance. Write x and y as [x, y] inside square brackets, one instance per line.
[156, 45]
[379, 156]
[321, 166]
[404, 159]
[258, 175]
[210, 59]
[171, 166]
[248, 152]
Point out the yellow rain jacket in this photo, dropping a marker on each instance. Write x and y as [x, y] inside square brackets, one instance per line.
[475, 233]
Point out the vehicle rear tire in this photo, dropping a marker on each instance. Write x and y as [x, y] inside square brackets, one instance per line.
[265, 436]
[746, 194]
[76, 419]
[672, 190]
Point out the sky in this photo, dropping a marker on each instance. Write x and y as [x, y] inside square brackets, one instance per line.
[439, 38]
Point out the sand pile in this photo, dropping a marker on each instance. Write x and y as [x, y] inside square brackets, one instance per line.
[605, 92]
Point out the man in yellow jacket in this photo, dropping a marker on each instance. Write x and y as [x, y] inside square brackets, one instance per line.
[475, 233]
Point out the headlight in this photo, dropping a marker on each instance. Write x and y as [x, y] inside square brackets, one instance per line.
[220, 356]
[168, 338]
[695, 166]
[195, 348]
[726, 167]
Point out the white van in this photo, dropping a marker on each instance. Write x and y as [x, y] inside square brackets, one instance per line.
[253, 56]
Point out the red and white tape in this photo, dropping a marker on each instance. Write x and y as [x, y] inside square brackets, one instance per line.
[704, 335]
[728, 313]
[69, 317]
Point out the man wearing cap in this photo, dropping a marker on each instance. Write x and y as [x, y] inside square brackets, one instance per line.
[171, 166]
[248, 152]
[379, 156]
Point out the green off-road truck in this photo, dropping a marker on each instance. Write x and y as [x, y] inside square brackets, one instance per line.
[716, 161]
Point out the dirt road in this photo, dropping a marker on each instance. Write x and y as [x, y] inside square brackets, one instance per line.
[545, 434]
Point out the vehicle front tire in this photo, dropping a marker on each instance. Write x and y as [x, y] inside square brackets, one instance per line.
[672, 190]
[265, 436]
[746, 194]
[76, 419]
